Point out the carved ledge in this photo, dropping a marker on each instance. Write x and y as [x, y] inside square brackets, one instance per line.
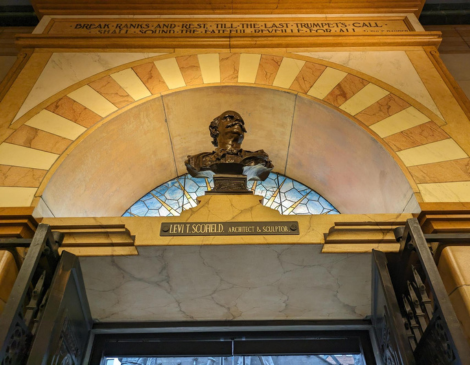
[97, 240]
[445, 217]
[82, 237]
[356, 237]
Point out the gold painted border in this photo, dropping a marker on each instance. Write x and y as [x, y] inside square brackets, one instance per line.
[15, 70]
[453, 85]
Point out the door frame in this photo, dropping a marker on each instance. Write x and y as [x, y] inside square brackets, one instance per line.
[143, 337]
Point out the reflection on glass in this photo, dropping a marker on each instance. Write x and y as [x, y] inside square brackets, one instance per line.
[279, 192]
[242, 360]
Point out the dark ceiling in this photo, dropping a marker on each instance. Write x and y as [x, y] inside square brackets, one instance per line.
[435, 12]
[441, 12]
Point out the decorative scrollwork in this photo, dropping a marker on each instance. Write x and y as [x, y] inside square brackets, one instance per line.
[69, 350]
[16, 348]
[435, 349]
[387, 349]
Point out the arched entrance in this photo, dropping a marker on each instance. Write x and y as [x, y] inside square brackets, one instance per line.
[145, 146]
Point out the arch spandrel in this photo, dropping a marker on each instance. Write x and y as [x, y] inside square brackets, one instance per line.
[372, 104]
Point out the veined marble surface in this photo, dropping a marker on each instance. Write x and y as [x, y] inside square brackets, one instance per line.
[65, 69]
[251, 282]
[392, 67]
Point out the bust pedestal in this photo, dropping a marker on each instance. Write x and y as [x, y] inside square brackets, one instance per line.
[229, 184]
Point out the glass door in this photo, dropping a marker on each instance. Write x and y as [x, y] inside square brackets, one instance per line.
[279, 346]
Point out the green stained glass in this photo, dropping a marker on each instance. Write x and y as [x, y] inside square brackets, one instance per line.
[279, 192]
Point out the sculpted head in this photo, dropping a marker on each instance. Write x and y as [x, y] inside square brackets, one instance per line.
[228, 129]
[229, 159]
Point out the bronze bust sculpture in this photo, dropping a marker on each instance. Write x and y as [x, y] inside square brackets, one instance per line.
[228, 158]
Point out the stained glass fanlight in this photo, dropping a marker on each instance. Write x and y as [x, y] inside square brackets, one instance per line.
[279, 192]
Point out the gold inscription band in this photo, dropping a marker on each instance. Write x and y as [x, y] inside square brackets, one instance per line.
[211, 27]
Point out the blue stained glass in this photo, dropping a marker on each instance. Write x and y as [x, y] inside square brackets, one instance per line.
[314, 207]
[279, 192]
[153, 213]
[326, 204]
[293, 195]
[301, 209]
[313, 195]
[139, 209]
[147, 197]
[153, 204]
[191, 186]
[163, 212]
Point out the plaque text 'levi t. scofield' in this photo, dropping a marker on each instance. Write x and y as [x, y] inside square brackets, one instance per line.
[229, 228]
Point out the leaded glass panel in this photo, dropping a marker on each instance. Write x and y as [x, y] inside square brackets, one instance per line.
[279, 192]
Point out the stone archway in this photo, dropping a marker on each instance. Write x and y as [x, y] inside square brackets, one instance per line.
[146, 146]
[409, 131]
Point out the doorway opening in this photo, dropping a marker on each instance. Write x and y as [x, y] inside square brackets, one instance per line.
[244, 343]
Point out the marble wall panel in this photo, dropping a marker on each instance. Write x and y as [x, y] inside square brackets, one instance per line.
[384, 108]
[458, 191]
[112, 91]
[229, 67]
[171, 73]
[14, 155]
[210, 68]
[326, 82]
[363, 99]
[448, 105]
[31, 137]
[348, 87]
[338, 157]
[114, 166]
[93, 100]
[416, 136]
[267, 114]
[74, 111]
[401, 121]
[66, 69]
[20, 176]
[268, 68]
[189, 66]
[131, 83]
[307, 77]
[447, 171]
[444, 150]
[55, 124]
[287, 72]
[151, 77]
[248, 67]
[391, 67]
[16, 196]
[228, 283]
